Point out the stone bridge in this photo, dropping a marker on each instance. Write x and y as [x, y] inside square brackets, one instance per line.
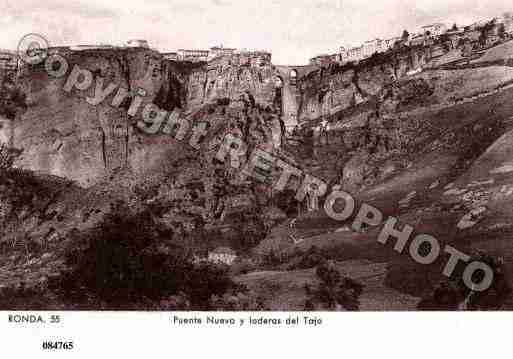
[289, 75]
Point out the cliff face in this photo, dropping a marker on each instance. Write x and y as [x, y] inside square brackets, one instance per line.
[63, 134]
[330, 90]
[360, 122]
[228, 77]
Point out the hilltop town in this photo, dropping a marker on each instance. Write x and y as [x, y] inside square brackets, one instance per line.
[427, 35]
[8, 57]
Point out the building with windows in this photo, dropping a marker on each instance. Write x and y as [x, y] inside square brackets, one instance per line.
[353, 54]
[227, 55]
[220, 51]
[370, 47]
[366, 50]
[253, 57]
[325, 60]
[193, 55]
[389, 43]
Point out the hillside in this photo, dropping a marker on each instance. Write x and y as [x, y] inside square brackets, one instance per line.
[429, 158]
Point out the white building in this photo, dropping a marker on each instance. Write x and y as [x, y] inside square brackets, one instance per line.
[353, 54]
[223, 255]
[370, 47]
[366, 50]
[193, 55]
[435, 29]
[389, 43]
[220, 51]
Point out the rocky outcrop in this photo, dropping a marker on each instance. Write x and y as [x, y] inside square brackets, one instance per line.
[226, 79]
[330, 90]
[65, 135]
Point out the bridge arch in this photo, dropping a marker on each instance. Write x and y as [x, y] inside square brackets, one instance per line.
[291, 97]
[293, 77]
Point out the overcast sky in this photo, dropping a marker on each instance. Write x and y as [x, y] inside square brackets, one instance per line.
[293, 30]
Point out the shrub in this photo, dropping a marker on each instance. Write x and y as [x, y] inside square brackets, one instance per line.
[335, 291]
[240, 298]
[313, 257]
[453, 294]
[126, 262]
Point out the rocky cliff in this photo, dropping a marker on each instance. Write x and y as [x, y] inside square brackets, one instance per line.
[65, 135]
[335, 88]
[100, 146]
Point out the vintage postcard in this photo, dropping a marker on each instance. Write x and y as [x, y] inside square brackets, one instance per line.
[289, 159]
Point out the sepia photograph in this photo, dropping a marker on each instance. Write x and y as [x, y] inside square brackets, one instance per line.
[140, 176]
[255, 156]
[173, 166]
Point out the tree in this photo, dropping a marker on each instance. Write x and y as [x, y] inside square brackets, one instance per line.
[454, 27]
[334, 290]
[453, 294]
[127, 261]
